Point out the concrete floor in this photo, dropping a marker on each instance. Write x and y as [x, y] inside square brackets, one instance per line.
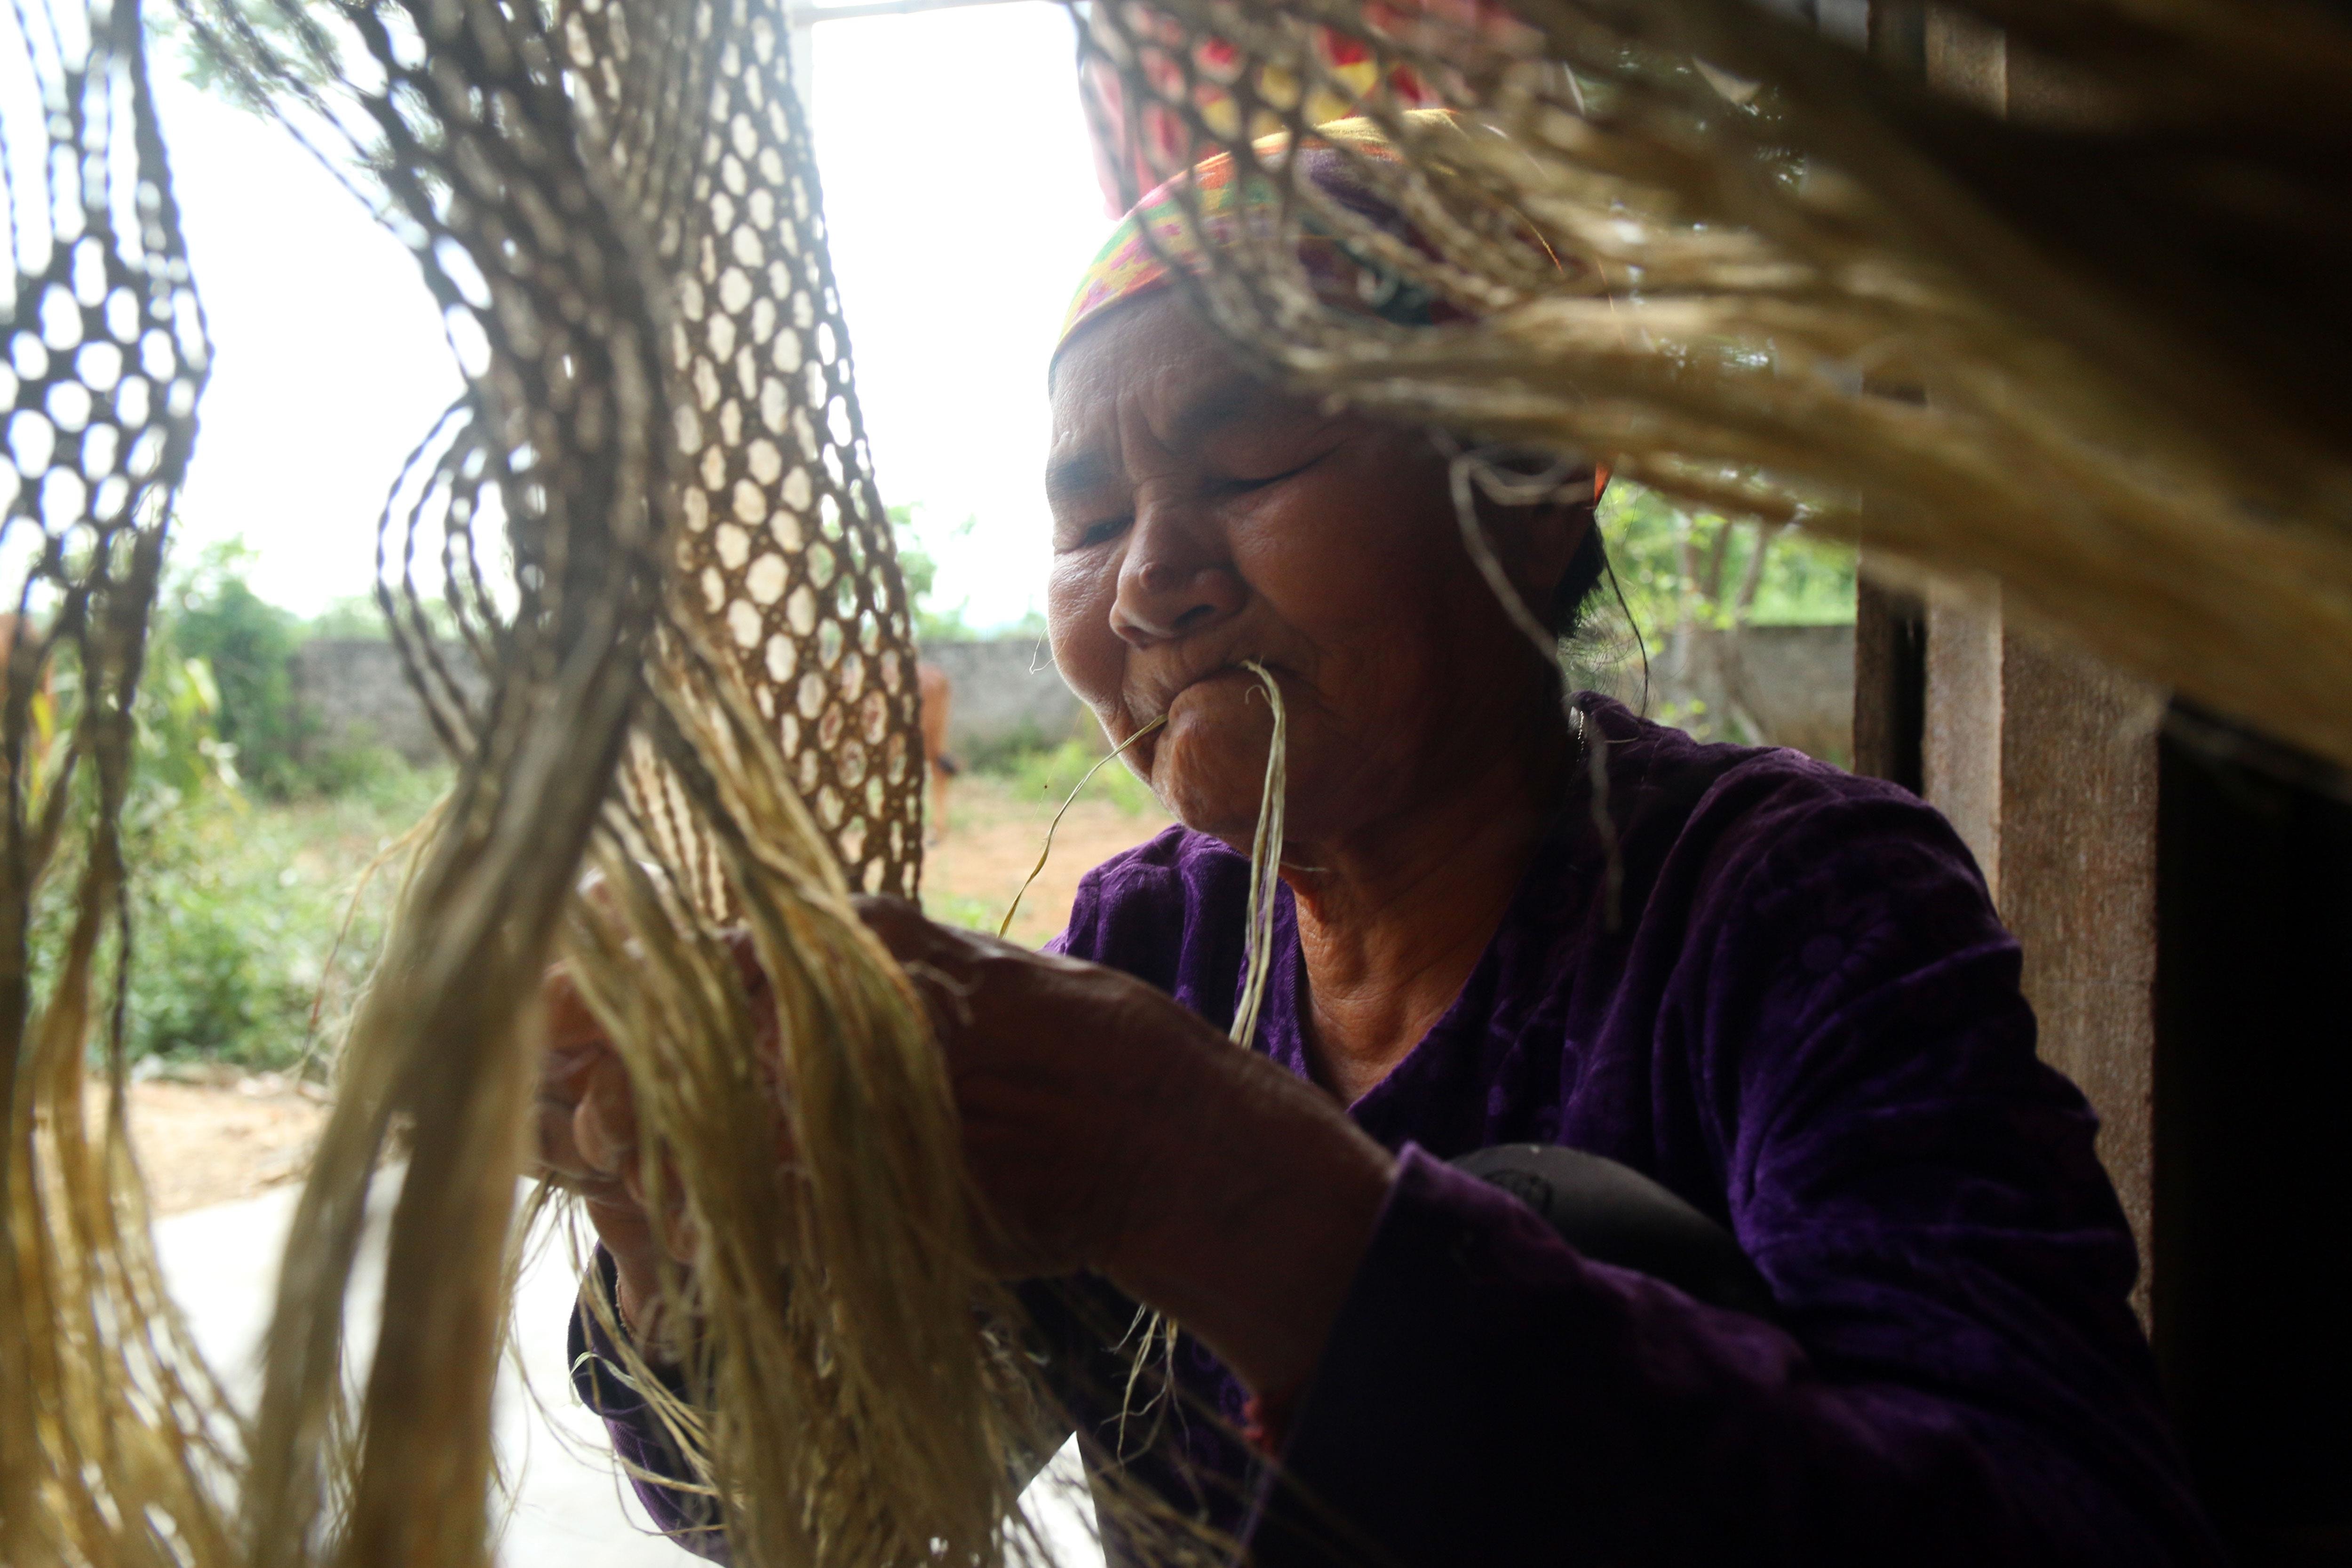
[569, 1508]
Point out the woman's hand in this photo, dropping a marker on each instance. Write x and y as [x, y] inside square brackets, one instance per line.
[1106, 1126]
[587, 1132]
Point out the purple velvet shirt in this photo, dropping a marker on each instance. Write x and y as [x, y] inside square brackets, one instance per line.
[1806, 1022]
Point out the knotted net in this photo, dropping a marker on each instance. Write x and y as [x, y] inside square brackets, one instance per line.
[652, 524]
[1790, 282]
[100, 1396]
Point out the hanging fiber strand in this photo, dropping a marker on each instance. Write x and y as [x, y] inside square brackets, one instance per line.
[1047, 849]
[114, 1439]
[700, 679]
[1266, 862]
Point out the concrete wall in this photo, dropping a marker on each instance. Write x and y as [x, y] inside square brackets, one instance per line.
[1007, 694]
[353, 693]
[1803, 681]
[1797, 683]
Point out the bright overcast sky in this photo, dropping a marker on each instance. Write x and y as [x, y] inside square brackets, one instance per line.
[962, 202]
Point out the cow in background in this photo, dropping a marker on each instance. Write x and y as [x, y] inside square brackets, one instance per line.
[936, 696]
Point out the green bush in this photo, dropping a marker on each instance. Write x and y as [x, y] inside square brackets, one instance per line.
[248, 840]
[240, 882]
[1054, 774]
[236, 908]
[1673, 564]
[961, 909]
[210, 934]
[208, 613]
[368, 773]
[245, 647]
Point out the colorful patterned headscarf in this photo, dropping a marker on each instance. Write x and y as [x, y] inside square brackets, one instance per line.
[1347, 74]
[1232, 206]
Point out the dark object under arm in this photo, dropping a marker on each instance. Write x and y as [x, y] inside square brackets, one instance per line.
[1613, 1213]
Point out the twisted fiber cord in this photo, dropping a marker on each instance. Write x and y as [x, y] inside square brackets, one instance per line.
[443, 1046]
[2109, 424]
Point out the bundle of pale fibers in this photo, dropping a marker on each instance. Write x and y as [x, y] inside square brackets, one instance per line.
[651, 523]
[2092, 347]
[614, 206]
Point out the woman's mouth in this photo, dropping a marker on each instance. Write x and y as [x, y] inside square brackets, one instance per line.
[1158, 699]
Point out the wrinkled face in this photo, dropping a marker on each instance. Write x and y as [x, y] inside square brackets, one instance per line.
[1202, 520]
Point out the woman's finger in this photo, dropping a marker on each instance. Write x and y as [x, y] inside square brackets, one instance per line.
[569, 1024]
[561, 1080]
[605, 1121]
[558, 1154]
[575, 1043]
[679, 1233]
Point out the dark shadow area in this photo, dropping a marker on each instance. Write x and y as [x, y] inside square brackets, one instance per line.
[2252, 1266]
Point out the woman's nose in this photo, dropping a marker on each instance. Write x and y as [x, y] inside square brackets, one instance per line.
[1173, 582]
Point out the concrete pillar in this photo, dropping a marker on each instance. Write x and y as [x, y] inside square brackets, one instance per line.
[2184, 901]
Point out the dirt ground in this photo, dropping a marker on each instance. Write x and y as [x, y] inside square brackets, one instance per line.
[210, 1135]
[215, 1134]
[994, 835]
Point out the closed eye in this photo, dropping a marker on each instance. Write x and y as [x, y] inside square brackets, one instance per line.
[1102, 532]
[1241, 484]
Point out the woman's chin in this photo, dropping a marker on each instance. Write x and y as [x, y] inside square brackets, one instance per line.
[1214, 815]
[1210, 784]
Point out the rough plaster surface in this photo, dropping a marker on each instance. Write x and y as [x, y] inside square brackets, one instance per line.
[1006, 692]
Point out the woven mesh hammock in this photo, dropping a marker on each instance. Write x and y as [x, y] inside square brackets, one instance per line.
[652, 520]
[106, 353]
[1843, 301]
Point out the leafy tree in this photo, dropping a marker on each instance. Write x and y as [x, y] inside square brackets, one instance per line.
[1693, 584]
[247, 643]
[921, 570]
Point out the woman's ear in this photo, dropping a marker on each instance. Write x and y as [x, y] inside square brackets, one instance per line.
[1557, 531]
[1537, 511]
[1537, 543]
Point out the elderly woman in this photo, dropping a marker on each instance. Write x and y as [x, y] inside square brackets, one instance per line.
[1756, 987]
